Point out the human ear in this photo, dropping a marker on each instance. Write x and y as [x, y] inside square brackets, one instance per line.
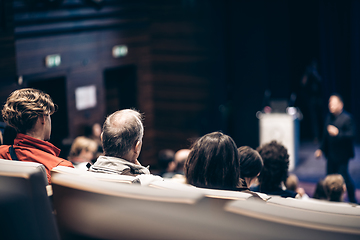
[138, 147]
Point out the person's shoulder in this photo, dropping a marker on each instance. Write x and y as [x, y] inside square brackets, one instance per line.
[65, 163]
[345, 114]
[49, 159]
[4, 147]
[4, 150]
[288, 193]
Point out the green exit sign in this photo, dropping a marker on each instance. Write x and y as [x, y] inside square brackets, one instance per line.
[52, 60]
[119, 51]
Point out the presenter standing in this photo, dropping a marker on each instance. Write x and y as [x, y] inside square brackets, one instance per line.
[337, 143]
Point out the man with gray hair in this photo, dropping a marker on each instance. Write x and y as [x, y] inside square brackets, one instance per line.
[121, 139]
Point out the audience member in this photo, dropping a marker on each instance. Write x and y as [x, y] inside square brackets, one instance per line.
[177, 165]
[292, 184]
[338, 142]
[251, 164]
[213, 162]
[275, 170]
[28, 111]
[319, 191]
[94, 132]
[334, 186]
[165, 156]
[82, 152]
[122, 141]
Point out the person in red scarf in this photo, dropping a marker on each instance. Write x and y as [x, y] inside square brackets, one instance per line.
[28, 111]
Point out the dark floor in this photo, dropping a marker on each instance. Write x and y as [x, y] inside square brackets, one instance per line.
[310, 170]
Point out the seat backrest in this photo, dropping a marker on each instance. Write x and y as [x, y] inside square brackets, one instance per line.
[317, 205]
[25, 208]
[9, 164]
[93, 209]
[99, 176]
[88, 207]
[211, 193]
[315, 224]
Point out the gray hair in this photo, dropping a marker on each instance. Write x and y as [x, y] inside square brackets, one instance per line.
[121, 130]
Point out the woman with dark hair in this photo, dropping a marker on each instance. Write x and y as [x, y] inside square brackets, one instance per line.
[213, 163]
[251, 164]
[275, 170]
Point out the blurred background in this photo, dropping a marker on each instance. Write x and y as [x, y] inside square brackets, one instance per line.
[191, 66]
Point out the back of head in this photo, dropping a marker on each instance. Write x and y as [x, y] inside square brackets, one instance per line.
[320, 191]
[250, 161]
[276, 164]
[334, 187]
[180, 159]
[213, 162]
[165, 157]
[24, 106]
[292, 182]
[82, 143]
[121, 130]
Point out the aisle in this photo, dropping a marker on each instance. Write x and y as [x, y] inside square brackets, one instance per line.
[309, 169]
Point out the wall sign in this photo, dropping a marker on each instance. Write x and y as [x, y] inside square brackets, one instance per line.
[85, 97]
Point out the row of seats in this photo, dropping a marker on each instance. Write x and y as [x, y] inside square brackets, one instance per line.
[101, 206]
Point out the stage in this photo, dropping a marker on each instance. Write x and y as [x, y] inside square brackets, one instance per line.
[310, 170]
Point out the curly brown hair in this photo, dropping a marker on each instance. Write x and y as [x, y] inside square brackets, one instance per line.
[276, 164]
[24, 106]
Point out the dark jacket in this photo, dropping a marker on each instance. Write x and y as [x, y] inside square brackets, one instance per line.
[339, 148]
[276, 191]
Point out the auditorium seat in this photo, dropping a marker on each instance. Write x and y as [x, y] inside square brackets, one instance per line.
[89, 208]
[25, 208]
[212, 193]
[100, 176]
[317, 205]
[93, 209]
[9, 164]
[314, 224]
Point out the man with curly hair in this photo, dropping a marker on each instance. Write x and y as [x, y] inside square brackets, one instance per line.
[28, 111]
[275, 171]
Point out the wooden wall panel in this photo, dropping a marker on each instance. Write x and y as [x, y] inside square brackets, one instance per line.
[180, 66]
[77, 50]
[84, 36]
[167, 42]
[7, 46]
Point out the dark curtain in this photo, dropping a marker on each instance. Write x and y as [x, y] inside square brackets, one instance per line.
[339, 30]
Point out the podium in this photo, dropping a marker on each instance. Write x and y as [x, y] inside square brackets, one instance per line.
[284, 128]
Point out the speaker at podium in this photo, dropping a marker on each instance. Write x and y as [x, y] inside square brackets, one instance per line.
[281, 123]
